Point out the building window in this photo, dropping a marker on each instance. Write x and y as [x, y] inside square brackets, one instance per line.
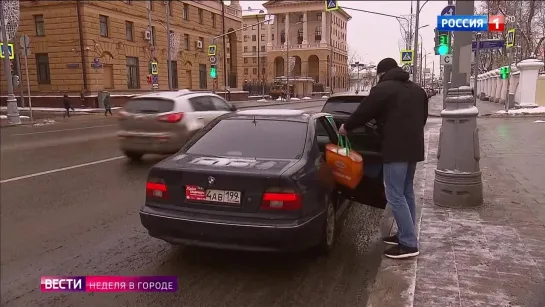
[150, 5]
[103, 25]
[254, 60]
[254, 71]
[245, 71]
[185, 12]
[245, 60]
[153, 41]
[263, 70]
[245, 26]
[300, 36]
[202, 76]
[253, 27]
[282, 36]
[254, 49]
[263, 49]
[42, 68]
[39, 22]
[245, 38]
[213, 20]
[170, 12]
[186, 41]
[318, 34]
[272, 37]
[262, 26]
[201, 19]
[133, 73]
[129, 26]
[319, 16]
[201, 40]
[254, 38]
[300, 18]
[262, 37]
[245, 48]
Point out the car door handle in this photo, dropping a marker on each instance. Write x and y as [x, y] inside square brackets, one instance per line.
[200, 117]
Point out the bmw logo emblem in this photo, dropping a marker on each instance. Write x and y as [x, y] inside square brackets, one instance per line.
[211, 180]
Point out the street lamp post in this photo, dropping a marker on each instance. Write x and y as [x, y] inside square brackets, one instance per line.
[288, 71]
[13, 110]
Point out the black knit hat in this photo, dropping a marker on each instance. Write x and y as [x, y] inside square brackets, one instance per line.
[385, 65]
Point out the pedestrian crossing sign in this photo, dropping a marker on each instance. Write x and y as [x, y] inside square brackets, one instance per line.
[510, 41]
[407, 56]
[331, 5]
[154, 68]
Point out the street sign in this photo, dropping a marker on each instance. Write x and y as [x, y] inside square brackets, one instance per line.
[24, 41]
[331, 5]
[213, 60]
[446, 59]
[10, 51]
[212, 50]
[488, 44]
[511, 38]
[155, 80]
[407, 56]
[154, 69]
[448, 10]
[406, 68]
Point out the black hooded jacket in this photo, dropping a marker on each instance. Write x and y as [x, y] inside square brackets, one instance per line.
[400, 108]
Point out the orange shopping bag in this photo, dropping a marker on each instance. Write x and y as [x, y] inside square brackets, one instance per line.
[346, 165]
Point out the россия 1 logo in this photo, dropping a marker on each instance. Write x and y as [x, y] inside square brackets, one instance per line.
[471, 23]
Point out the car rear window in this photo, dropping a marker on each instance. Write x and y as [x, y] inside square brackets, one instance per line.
[261, 139]
[342, 104]
[149, 105]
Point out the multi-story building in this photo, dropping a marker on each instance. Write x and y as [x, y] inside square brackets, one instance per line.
[254, 48]
[108, 45]
[314, 39]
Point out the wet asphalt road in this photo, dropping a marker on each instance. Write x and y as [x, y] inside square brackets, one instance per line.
[84, 221]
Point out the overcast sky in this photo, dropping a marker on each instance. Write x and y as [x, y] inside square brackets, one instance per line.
[375, 37]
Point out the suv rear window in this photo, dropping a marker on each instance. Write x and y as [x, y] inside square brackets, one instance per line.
[149, 105]
[262, 139]
[342, 104]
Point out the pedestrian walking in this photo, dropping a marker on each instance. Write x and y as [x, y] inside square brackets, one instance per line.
[400, 108]
[107, 105]
[67, 105]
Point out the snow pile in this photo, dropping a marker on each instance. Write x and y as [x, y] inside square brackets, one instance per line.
[20, 116]
[76, 110]
[45, 123]
[538, 110]
[306, 98]
[325, 96]
[295, 99]
[539, 121]
[278, 99]
[262, 100]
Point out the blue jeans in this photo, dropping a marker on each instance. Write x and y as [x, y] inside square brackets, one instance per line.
[398, 182]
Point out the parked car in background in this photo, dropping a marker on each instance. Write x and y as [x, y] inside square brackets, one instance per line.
[162, 122]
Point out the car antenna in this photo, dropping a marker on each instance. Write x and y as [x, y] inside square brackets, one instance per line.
[254, 122]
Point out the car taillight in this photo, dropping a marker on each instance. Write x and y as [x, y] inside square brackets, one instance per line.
[281, 199]
[122, 114]
[156, 189]
[171, 118]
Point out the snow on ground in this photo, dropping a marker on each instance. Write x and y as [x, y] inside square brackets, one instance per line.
[295, 98]
[539, 121]
[77, 110]
[262, 100]
[306, 98]
[20, 116]
[325, 96]
[538, 110]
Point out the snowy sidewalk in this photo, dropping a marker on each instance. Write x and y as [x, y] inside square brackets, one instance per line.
[489, 256]
[486, 109]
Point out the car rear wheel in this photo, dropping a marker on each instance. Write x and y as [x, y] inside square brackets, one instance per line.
[133, 156]
[329, 230]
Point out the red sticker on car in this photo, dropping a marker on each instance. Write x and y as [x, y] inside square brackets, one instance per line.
[193, 192]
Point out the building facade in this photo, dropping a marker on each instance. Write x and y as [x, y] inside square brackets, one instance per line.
[254, 48]
[313, 40]
[108, 45]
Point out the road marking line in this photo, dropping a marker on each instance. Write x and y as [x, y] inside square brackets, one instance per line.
[61, 130]
[60, 169]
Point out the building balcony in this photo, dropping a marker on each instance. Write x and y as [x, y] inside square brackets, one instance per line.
[296, 47]
[250, 54]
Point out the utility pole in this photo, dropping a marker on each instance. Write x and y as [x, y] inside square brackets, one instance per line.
[151, 42]
[258, 57]
[477, 63]
[169, 61]
[415, 53]
[223, 48]
[409, 43]
[13, 110]
[447, 69]
[331, 53]
[461, 64]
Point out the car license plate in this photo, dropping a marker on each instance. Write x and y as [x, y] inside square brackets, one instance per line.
[217, 196]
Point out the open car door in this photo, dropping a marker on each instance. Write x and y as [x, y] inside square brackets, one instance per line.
[370, 190]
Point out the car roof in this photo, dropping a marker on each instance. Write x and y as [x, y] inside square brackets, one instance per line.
[172, 94]
[351, 93]
[274, 114]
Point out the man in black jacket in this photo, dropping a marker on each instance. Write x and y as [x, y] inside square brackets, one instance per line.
[400, 108]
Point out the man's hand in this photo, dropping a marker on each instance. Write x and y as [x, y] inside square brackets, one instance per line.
[343, 131]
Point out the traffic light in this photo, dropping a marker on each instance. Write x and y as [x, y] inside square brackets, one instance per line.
[442, 43]
[213, 72]
[149, 79]
[504, 72]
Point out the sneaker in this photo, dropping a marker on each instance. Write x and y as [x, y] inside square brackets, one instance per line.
[392, 240]
[401, 252]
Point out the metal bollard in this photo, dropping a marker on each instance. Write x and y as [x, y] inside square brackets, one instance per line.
[458, 182]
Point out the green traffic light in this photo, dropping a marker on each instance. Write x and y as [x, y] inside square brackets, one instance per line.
[443, 49]
[213, 72]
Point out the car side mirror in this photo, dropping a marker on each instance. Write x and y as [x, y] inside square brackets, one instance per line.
[233, 108]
